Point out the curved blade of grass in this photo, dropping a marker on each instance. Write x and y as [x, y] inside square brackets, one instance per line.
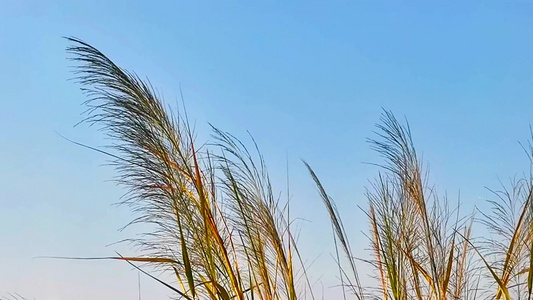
[129, 260]
[377, 252]
[187, 265]
[160, 281]
[339, 231]
[222, 292]
[448, 271]
[136, 259]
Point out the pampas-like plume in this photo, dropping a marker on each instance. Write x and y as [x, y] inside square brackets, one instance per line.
[216, 224]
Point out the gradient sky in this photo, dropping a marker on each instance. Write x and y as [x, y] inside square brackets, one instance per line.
[307, 79]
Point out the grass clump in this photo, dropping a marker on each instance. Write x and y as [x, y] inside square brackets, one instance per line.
[422, 247]
[218, 227]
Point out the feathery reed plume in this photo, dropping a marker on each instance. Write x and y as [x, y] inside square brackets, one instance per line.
[417, 230]
[417, 252]
[224, 236]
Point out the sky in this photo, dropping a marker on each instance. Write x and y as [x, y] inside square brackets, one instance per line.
[308, 79]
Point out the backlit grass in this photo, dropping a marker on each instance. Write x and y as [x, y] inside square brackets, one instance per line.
[222, 232]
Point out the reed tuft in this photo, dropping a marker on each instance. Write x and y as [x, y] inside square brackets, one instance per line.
[223, 234]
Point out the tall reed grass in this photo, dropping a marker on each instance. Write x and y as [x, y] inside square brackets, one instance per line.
[422, 247]
[219, 228]
[217, 224]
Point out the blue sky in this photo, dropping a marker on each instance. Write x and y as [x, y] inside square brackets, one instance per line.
[307, 79]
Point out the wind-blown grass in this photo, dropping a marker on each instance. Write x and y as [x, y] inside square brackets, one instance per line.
[422, 248]
[217, 225]
[219, 228]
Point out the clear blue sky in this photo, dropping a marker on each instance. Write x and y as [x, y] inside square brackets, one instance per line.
[307, 79]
